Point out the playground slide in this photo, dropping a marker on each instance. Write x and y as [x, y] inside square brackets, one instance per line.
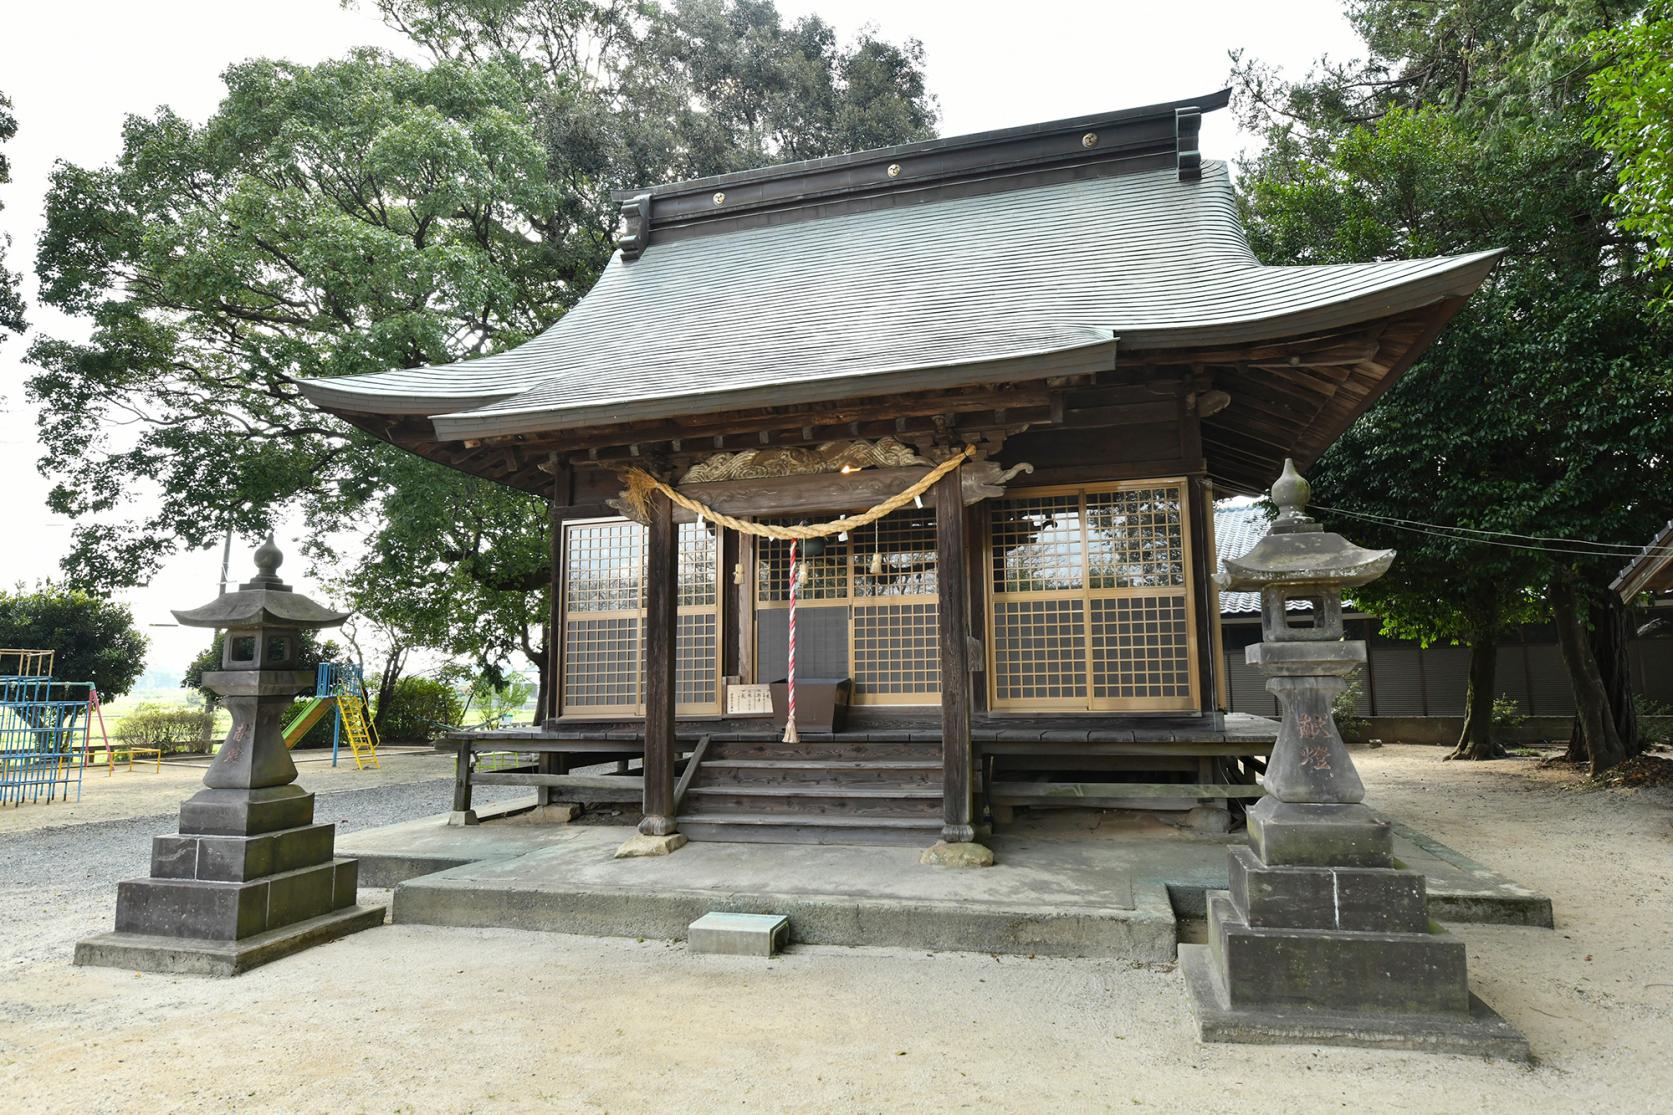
[307, 718]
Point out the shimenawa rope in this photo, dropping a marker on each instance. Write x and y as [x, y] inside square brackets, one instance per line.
[640, 485]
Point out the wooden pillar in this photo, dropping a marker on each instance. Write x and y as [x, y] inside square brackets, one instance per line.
[1205, 596]
[953, 613]
[662, 595]
[563, 496]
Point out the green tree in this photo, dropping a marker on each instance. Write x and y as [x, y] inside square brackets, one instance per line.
[1539, 411]
[11, 302]
[93, 639]
[1632, 120]
[369, 213]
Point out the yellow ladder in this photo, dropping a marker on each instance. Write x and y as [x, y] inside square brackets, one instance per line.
[352, 709]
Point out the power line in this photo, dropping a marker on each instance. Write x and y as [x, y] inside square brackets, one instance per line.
[1488, 537]
[1601, 548]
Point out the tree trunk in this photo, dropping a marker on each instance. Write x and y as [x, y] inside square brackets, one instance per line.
[1603, 746]
[386, 684]
[1611, 627]
[1476, 740]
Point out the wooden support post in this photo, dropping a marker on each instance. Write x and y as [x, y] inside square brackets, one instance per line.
[953, 604]
[563, 495]
[461, 784]
[662, 594]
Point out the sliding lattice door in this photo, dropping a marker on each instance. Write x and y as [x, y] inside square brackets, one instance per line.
[1089, 603]
[604, 620]
[866, 610]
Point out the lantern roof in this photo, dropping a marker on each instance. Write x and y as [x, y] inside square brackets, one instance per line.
[1299, 553]
[262, 601]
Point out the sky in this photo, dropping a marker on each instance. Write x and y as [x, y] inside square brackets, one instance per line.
[74, 69]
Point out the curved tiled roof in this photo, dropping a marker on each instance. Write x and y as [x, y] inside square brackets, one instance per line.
[938, 293]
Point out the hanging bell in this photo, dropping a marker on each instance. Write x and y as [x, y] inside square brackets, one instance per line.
[876, 566]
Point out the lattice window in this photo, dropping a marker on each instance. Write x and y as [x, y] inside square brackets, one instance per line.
[1039, 651]
[1089, 607]
[1037, 544]
[826, 578]
[874, 593]
[1140, 648]
[604, 619]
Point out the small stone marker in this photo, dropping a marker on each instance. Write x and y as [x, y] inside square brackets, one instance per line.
[738, 934]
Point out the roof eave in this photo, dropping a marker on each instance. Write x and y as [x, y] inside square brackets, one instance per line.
[1093, 356]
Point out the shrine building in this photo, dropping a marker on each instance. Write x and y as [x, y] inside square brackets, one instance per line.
[1071, 310]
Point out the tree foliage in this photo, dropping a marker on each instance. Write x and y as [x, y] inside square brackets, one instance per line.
[1632, 120]
[93, 639]
[11, 301]
[1544, 408]
[370, 213]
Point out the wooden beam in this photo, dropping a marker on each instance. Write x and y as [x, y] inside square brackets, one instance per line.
[953, 629]
[1101, 794]
[662, 595]
[690, 771]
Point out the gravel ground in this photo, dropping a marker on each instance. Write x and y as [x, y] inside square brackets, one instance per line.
[422, 1019]
[57, 882]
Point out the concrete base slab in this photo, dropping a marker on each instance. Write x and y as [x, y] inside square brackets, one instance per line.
[959, 854]
[723, 934]
[1046, 898]
[182, 956]
[395, 853]
[641, 846]
[1480, 1033]
[1108, 889]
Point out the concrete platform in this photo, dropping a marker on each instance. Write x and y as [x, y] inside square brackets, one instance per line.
[1053, 893]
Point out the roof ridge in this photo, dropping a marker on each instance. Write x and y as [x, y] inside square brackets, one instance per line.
[1145, 137]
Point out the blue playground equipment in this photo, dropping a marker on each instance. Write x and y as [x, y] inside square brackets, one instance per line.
[43, 729]
[338, 687]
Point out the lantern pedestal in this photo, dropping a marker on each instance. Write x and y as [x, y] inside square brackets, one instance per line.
[249, 877]
[1322, 938]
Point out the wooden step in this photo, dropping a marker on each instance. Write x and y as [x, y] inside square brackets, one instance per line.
[826, 750]
[747, 828]
[819, 790]
[822, 803]
[834, 772]
[822, 764]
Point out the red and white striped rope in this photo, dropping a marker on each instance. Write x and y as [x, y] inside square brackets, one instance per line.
[790, 680]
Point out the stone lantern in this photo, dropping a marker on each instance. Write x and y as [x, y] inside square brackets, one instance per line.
[1322, 937]
[249, 877]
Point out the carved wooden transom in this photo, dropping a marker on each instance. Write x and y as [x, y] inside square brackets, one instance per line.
[832, 456]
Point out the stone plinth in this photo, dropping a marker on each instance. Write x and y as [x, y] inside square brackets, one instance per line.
[249, 878]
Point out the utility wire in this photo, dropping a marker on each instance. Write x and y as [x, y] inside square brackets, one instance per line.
[1485, 537]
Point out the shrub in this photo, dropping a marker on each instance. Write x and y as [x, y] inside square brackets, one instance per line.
[419, 709]
[1507, 714]
[1655, 721]
[170, 728]
[1345, 705]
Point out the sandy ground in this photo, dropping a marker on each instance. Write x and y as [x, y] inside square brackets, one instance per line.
[423, 1019]
[145, 790]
